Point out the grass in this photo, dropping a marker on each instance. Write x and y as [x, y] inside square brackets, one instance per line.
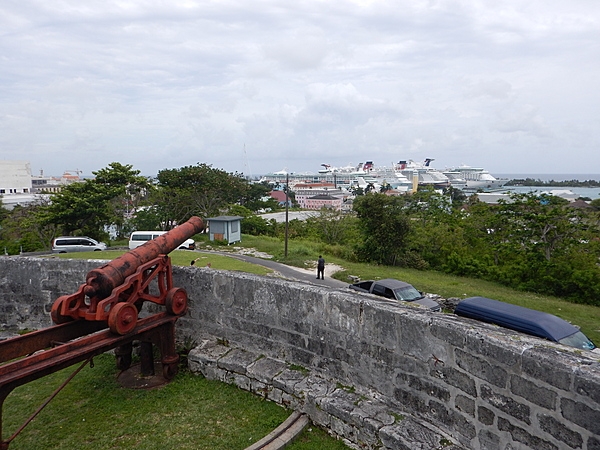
[191, 412]
[182, 258]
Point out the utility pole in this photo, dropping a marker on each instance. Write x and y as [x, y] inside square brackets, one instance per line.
[287, 187]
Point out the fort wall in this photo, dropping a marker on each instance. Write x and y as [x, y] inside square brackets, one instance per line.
[377, 374]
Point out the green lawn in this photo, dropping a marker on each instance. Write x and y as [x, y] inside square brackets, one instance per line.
[182, 258]
[191, 412]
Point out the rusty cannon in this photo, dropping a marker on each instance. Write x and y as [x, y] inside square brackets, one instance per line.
[102, 315]
[115, 292]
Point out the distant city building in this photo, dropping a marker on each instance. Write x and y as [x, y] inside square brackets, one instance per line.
[19, 187]
[324, 201]
[280, 197]
[15, 177]
[303, 196]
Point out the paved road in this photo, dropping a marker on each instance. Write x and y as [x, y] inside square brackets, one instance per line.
[288, 272]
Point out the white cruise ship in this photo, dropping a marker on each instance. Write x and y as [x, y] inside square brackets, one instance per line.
[476, 178]
[427, 175]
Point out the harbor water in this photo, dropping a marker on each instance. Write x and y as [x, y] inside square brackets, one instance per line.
[591, 193]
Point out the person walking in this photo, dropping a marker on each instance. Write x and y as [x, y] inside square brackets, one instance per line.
[320, 267]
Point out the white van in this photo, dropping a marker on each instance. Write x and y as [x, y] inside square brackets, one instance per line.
[138, 238]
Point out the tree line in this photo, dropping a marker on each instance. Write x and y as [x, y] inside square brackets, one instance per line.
[538, 243]
[119, 200]
[533, 242]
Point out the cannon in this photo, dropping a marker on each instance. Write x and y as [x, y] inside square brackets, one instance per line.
[102, 315]
[116, 291]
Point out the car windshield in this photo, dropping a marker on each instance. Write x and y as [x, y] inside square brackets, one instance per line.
[407, 294]
[578, 340]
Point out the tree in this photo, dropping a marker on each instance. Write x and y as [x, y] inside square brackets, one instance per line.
[252, 198]
[197, 190]
[132, 188]
[90, 206]
[384, 227]
[332, 227]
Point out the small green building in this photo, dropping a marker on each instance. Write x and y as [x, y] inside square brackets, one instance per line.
[225, 228]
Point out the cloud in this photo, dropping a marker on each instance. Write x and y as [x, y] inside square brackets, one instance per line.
[175, 83]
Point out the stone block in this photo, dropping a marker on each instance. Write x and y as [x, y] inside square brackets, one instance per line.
[506, 404]
[528, 390]
[424, 386]
[593, 443]
[237, 360]
[581, 414]
[587, 382]
[452, 420]
[489, 440]
[455, 378]
[560, 431]
[411, 435]
[545, 365]
[465, 404]
[481, 368]
[485, 415]
[288, 379]
[520, 435]
[265, 369]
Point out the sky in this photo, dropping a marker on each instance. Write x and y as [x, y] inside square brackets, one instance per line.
[261, 86]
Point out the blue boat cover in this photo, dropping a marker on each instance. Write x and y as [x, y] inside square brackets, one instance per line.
[515, 317]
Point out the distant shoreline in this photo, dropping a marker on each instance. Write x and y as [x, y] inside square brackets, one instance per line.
[554, 180]
[547, 177]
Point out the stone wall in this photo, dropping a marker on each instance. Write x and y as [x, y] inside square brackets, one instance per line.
[375, 373]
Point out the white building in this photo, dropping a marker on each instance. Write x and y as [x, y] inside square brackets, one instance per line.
[15, 177]
[16, 185]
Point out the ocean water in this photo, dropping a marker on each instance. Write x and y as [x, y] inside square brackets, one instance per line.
[591, 193]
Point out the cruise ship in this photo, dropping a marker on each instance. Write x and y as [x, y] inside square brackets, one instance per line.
[402, 176]
[476, 178]
[362, 175]
[428, 175]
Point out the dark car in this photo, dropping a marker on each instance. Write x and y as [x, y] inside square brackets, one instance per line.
[396, 290]
[525, 320]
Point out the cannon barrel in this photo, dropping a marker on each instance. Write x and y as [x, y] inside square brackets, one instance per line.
[101, 281]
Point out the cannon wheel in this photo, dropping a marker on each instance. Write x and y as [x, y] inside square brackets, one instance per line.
[170, 367]
[56, 316]
[122, 318]
[176, 301]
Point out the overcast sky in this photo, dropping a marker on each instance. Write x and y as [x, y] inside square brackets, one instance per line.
[258, 86]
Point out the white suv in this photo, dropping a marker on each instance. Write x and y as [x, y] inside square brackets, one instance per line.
[67, 244]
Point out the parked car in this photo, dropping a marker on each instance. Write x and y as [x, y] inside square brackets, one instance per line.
[67, 244]
[525, 320]
[396, 290]
[138, 238]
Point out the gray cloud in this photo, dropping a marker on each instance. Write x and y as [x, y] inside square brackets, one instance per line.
[258, 86]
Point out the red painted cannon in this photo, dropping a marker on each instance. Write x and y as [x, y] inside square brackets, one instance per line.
[116, 291]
